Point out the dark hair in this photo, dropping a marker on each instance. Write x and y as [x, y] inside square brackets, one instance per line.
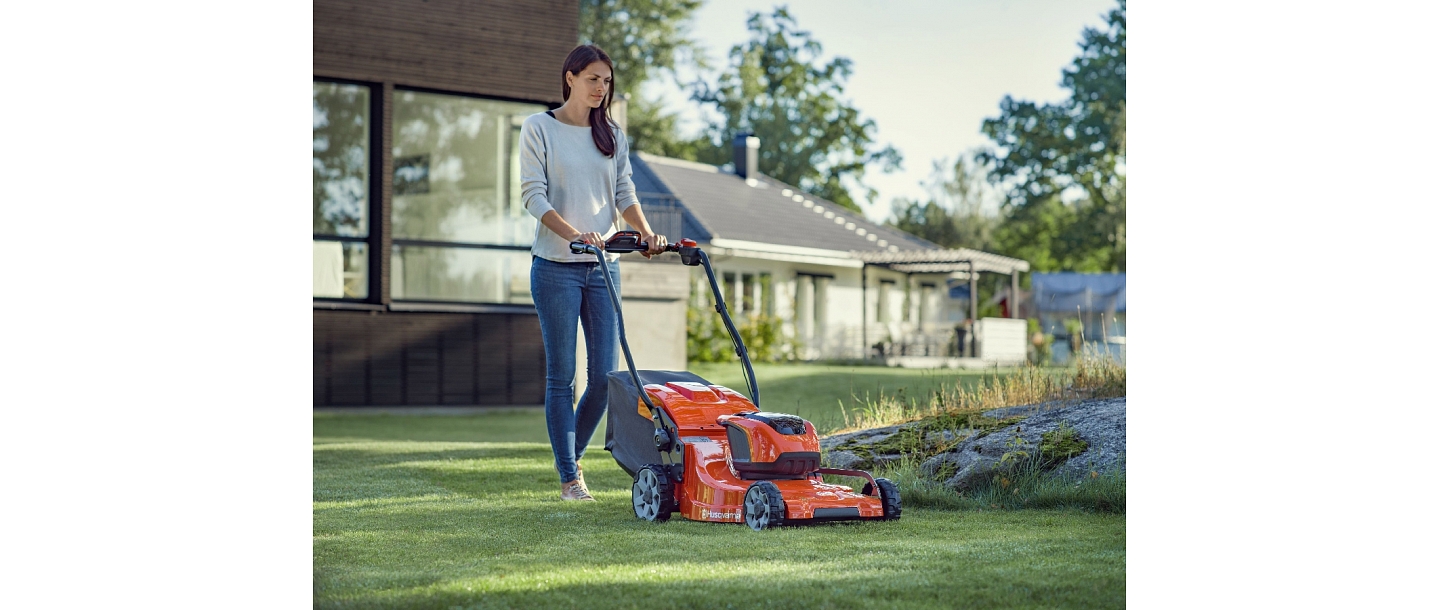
[600, 123]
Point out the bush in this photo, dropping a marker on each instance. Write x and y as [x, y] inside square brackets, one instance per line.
[705, 337]
[707, 340]
[1040, 349]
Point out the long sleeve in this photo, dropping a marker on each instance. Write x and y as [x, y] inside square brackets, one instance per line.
[624, 186]
[534, 183]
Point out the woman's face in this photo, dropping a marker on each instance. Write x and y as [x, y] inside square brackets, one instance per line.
[591, 85]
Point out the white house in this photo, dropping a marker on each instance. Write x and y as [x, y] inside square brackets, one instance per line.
[846, 287]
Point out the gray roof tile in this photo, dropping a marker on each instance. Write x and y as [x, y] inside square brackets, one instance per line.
[723, 205]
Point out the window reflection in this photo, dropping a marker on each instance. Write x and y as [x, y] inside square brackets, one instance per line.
[340, 135]
[479, 275]
[456, 170]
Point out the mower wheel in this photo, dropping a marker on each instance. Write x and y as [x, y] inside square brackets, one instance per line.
[764, 507]
[652, 495]
[889, 498]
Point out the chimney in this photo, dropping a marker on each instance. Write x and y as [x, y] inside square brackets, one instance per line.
[747, 155]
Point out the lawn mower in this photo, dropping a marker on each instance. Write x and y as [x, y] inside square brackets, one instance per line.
[708, 452]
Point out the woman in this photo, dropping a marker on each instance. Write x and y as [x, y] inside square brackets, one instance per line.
[575, 178]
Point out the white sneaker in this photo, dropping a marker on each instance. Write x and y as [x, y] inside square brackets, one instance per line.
[575, 490]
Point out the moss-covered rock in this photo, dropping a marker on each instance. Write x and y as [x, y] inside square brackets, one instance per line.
[920, 440]
[965, 449]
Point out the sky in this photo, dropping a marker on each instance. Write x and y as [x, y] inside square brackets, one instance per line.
[928, 72]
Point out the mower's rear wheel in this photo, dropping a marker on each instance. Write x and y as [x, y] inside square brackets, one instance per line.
[764, 507]
[889, 498]
[652, 495]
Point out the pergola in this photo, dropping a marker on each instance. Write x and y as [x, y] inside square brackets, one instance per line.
[964, 260]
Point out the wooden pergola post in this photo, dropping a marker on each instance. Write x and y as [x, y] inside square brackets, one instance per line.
[864, 314]
[974, 308]
[1014, 293]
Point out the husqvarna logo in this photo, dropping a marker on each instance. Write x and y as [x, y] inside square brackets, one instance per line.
[732, 515]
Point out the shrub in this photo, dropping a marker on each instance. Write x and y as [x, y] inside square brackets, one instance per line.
[705, 337]
[1040, 348]
[707, 340]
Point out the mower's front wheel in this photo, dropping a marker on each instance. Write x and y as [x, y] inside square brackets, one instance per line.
[764, 507]
[652, 494]
[889, 498]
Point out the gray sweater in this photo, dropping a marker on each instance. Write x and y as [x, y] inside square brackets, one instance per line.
[562, 170]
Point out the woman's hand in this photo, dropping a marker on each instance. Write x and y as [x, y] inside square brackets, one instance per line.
[656, 242]
[592, 238]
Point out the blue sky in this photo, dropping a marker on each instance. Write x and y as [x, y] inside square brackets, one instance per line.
[928, 72]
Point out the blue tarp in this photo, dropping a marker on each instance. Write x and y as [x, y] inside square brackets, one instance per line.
[1087, 292]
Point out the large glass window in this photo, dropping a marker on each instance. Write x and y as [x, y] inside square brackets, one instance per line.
[460, 228]
[460, 274]
[341, 165]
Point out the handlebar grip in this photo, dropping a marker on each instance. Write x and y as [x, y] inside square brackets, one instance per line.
[684, 243]
[580, 247]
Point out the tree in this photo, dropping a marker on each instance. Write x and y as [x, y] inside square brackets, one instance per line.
[955, 215]
[777, 88]
[657, 132]
[1047, 154]
[645, 39]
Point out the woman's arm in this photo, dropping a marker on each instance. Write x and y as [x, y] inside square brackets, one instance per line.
[554, 222]
[636, 218]
[534, 183]
[626, 200]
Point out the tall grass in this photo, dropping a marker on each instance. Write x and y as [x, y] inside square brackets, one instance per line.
[1092, 376]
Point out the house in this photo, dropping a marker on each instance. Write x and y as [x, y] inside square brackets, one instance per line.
[845, 287]
[421, 259]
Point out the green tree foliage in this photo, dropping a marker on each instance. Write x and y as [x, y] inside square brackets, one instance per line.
[1063, 165]
[645, 39]
[657, 132]
[777, 87]
[954, 216]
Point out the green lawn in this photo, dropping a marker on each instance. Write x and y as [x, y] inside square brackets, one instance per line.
[816, 391]
[442, 511]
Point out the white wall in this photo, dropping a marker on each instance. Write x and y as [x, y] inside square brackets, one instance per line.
[1001, 340]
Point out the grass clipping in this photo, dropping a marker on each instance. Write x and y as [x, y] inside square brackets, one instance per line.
[1024, 484]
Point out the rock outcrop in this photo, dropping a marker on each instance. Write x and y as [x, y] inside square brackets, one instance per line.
[1071, 441]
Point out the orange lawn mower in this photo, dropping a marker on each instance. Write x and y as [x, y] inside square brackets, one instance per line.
[709, 453]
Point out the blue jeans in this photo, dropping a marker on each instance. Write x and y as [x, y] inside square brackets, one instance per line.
[565, 293]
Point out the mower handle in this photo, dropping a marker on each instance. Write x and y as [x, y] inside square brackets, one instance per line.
[690, 255]
[627, 241]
